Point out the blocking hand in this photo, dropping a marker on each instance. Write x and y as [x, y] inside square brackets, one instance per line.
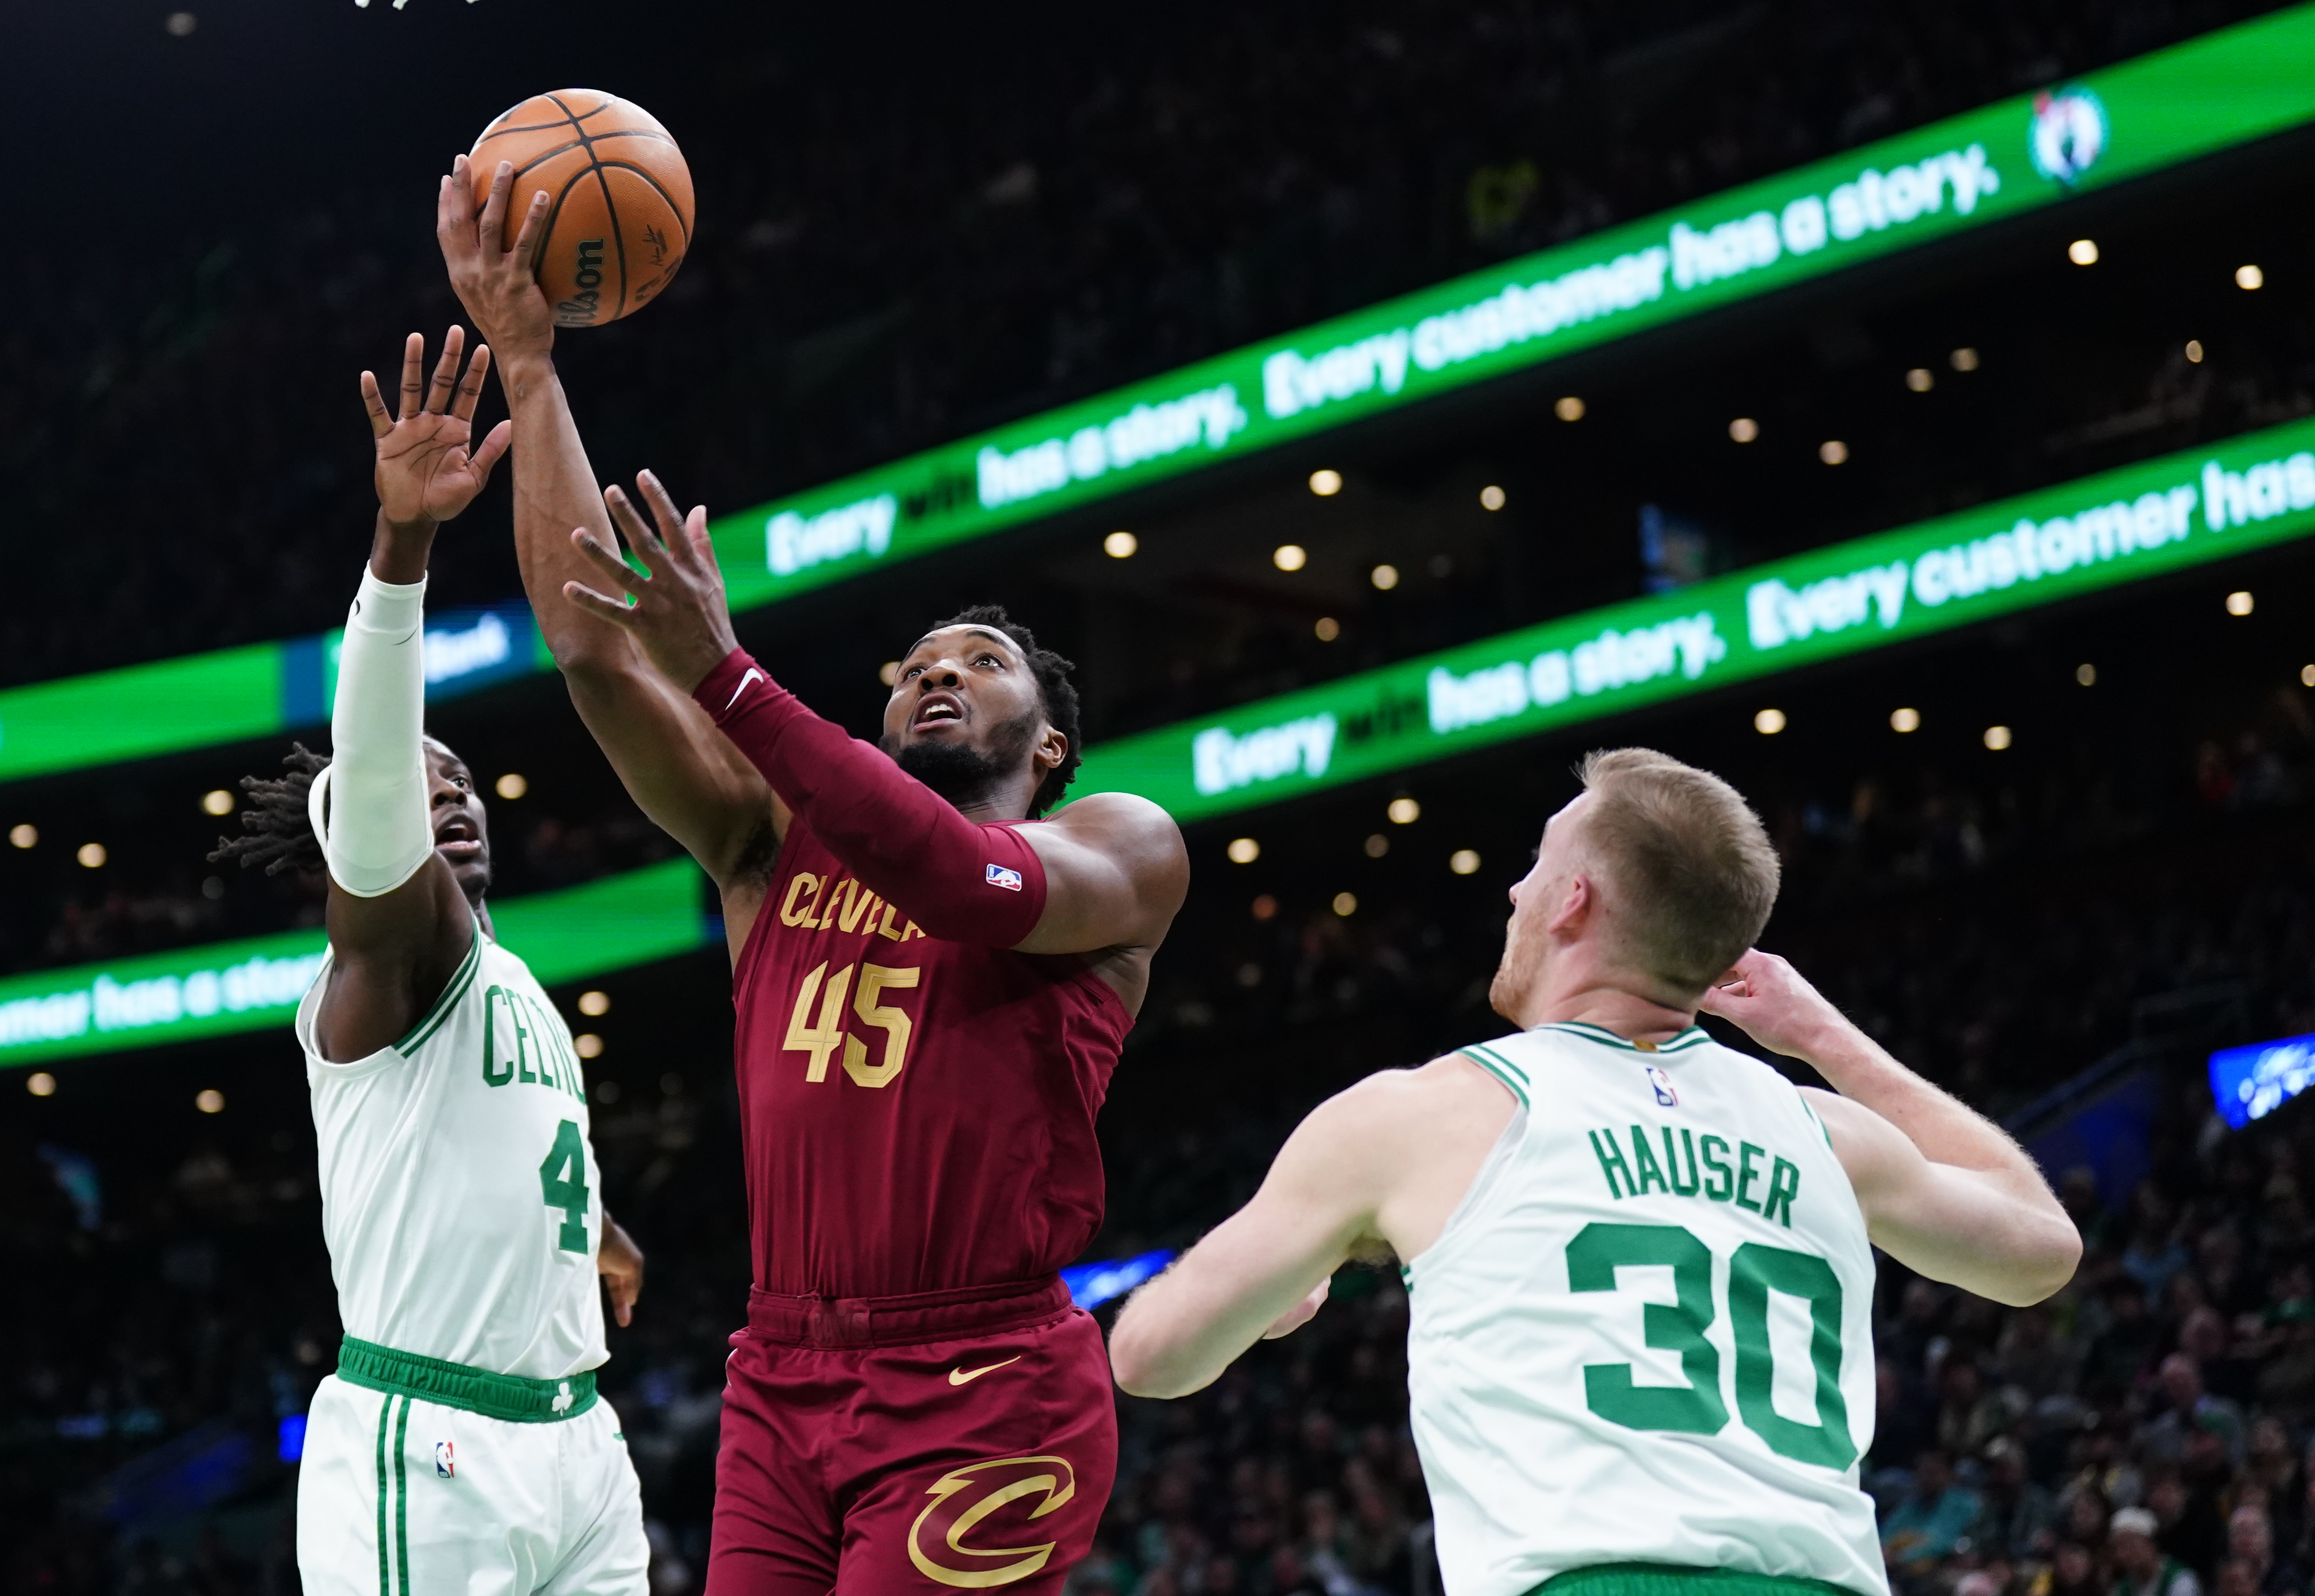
[498, 286]
[426, 469]
[676, 607]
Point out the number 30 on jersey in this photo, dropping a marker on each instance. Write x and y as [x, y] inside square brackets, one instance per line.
[825, 1036]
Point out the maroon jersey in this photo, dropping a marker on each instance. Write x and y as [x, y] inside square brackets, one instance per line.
[916, 1115]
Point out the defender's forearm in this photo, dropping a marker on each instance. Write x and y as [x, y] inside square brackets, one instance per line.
[554, 492]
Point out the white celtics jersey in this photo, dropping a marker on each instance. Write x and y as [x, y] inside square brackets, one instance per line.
[458, 1187]
[1644, 1335]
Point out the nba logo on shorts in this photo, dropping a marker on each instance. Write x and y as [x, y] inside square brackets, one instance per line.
[1663, 1084]
[998, 876]
[445, 1464]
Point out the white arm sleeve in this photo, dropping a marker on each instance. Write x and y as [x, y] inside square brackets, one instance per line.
[369, 807]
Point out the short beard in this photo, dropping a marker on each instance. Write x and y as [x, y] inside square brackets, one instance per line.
[966, 775]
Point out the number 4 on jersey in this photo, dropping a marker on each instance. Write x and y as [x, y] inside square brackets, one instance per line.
[563, 1181]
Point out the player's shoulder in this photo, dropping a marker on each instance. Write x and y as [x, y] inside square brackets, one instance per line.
[1118, 811]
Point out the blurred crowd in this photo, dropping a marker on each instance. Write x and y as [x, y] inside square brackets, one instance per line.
[1009, 220]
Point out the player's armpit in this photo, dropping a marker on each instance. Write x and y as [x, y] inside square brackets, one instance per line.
[1116, 873]
[1984, 1230]
[1318, 1202]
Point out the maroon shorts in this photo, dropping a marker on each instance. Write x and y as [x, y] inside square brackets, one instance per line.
[953, 1440]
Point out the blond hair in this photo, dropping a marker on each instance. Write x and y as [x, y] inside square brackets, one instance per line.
[1689, 865]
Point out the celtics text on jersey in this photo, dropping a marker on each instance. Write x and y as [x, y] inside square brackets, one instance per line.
[1644, 1335]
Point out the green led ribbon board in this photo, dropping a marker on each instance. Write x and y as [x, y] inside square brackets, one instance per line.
[2139, 521]
[2223, 90]
[255, 984]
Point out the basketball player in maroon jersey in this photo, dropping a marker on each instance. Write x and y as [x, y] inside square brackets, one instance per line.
[932, 984]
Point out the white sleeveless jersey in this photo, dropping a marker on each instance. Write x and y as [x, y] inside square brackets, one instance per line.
[458, 1186]
[1644, 1335]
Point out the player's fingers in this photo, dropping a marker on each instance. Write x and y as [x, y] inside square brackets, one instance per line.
[608, 561]
[454, 212]
[470, 386]
[534, 232]
[445, 370]
[668, 519]
[414, 375]
[634, 530]
[703, 547]
[381, 420]
[492, 223]
[487, 456]
[583, 597]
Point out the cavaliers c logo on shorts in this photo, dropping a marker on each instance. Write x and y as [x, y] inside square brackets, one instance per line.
[940, 1542]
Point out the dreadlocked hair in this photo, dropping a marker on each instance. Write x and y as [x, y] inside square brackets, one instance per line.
[275, 831]
[1059, 693]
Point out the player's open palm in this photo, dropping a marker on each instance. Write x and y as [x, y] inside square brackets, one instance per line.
[675, 606]
[428, 466]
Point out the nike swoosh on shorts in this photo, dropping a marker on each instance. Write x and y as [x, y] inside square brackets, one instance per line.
[957, 1376]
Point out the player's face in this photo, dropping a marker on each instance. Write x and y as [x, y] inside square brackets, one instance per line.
[968, 688]
[1535, 896]
[462, 833]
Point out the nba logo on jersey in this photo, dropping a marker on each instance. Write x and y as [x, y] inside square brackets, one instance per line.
[998, 876]
[1663, 1084]
[445, 1464]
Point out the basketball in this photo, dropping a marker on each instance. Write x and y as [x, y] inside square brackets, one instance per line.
[619, 205]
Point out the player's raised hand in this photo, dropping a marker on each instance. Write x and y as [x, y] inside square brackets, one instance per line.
[675, 606]
[428, 468]
[1773, 1004]
[498, 286]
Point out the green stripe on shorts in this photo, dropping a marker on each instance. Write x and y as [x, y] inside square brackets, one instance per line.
[1666, 1578]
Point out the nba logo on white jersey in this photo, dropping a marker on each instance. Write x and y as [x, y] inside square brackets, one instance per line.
[446, 1463]
[1663, 1084]
[1000, 876]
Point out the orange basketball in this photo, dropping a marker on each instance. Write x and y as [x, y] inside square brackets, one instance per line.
[618, 217]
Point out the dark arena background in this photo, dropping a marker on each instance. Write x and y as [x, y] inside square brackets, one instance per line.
[1907, 412]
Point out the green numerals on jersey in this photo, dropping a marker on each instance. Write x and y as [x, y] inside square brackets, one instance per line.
[563, 1181]
[1596, 1253]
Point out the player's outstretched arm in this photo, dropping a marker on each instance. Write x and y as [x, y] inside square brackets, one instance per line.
[1110, 871]
[683, 774]
[1945, 1191]
[399, 925]
[1382, 1164]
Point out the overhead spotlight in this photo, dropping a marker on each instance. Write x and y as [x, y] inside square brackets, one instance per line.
[2307, 676]
[2249, 277]
[1327, 628]
[2238, 602]
[1997, 738]
[41, 1084]
[889, 672]
[1832, 451]
[209, 1100]
[1570, 409]
[1769, 722]
[1243, 850]
[2194, 351]
[1120, 546]
[589, 1044]
[594, 1005]
[1464, 861]
[1491, 497]
[1743, 428]
[1288, 556]
[1325, 483]
[23, 836]
[1347, 904]
[182, 23]
[2083, 252]
[1378, 846]
[512, 785]
[1904, 720]
[2086, 673]
[1266, 908]
[1384, 577]
[217, 801]
[1963, 360]
[1404, 811]
[1920, 379]
[90, 855]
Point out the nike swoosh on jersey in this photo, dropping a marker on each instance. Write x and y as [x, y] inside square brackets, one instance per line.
[753, 675]
[957, 1376]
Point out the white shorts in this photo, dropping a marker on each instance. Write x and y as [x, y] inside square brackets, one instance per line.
[399, 1497]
